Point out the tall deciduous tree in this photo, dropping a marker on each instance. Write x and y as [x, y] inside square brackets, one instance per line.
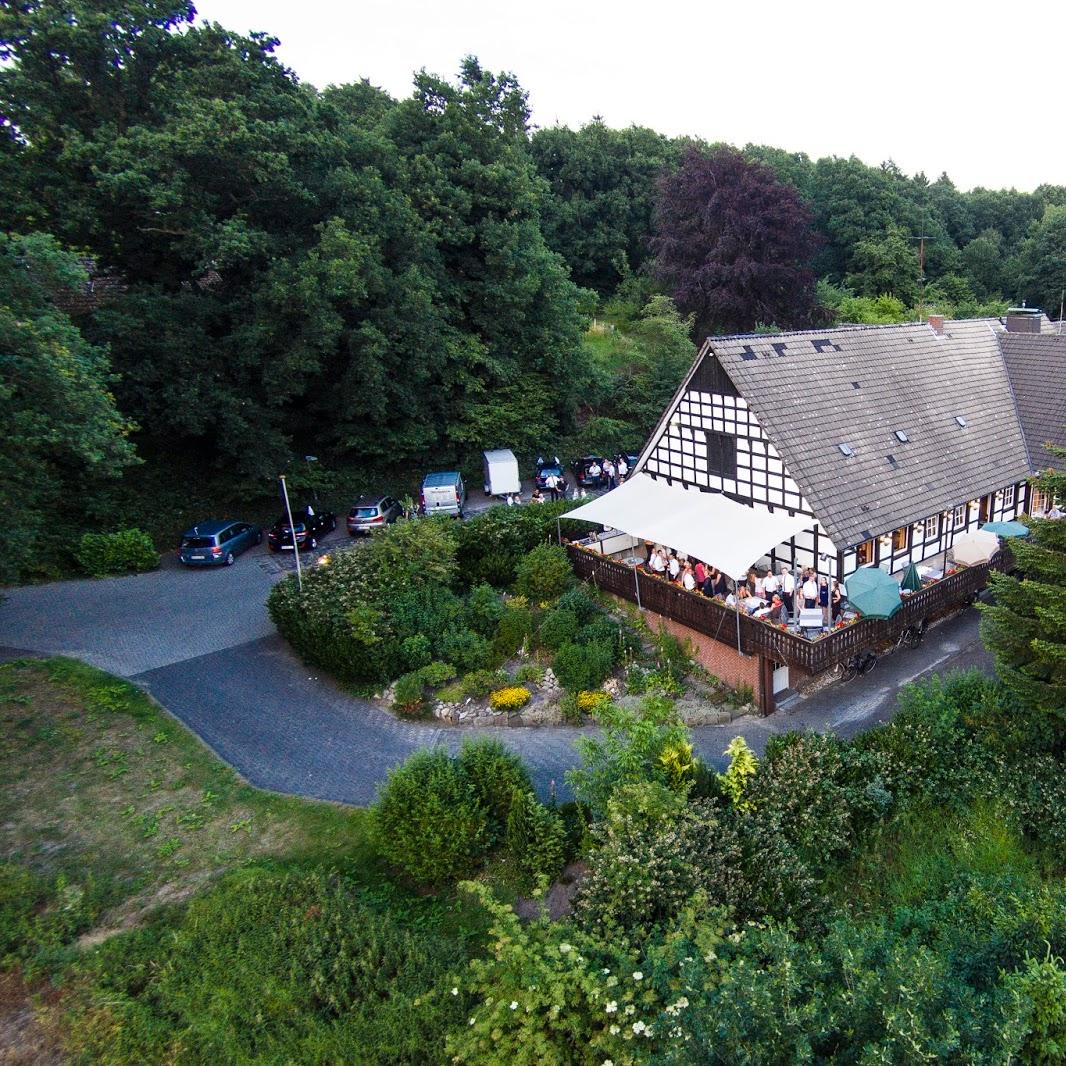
[62, 431]
[734, 244]
[1042, 261]
[1025, 627]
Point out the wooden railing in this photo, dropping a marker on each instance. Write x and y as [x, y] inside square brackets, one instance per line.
[755, 637]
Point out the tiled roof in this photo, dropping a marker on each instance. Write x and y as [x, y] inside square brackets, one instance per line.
[1036, 366]
[857, 386]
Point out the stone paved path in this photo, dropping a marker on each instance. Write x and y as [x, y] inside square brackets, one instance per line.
[201, 643]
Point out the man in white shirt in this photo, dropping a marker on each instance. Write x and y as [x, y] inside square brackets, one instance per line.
[594, 472]
[551, 483]
[623, 467]
[788, 587]
[771, 584]
[658, 561]
[674, 567]
[810, 593]
[608, 469]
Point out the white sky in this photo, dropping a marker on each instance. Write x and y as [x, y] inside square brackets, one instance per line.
[972, 88]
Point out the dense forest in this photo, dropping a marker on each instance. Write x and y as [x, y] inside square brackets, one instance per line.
[212, 269]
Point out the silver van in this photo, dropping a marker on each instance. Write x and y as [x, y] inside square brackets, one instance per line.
[443, 493]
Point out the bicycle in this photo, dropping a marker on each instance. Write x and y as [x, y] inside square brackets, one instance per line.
[911, 636]
[857, 665]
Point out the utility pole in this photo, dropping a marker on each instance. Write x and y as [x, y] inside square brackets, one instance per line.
[292, 530]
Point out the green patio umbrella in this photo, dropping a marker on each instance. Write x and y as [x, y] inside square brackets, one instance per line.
[873, 593]
[1006, 529]
[911, 581]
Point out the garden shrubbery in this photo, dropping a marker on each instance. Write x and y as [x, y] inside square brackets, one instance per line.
[124, 552]
[437, 817]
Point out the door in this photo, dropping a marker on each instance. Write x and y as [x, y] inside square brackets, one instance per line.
[986, 509]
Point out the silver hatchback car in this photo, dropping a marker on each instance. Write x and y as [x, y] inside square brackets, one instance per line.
[372, 512]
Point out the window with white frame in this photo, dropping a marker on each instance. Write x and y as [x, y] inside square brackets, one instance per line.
[1039, 502]
[959, 517]
[1008, 496]
[932, 527]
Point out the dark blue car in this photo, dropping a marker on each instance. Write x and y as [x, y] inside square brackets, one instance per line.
[217, 543]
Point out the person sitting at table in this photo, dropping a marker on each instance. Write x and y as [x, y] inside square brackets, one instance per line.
[538, 496]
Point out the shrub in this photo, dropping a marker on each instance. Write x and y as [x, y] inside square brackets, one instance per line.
[558, 627]
[352, 617]
[654, 854]
[512, 698]
[453, 693]
[346, 980]
[493, 773]
[479, 683]
[484, 610]
[544, 573]
[466, 649]
[741, 696]
[429, 820]
[536, 838]
[417, 651]
[629, 752]
[529, 674]
[515, 626]
[435, 674]
[580, 602]
[737, 777]
[664, 683]
[580, 666]
[128, 550]
[672, 654]
[409, 692]
[591, 702]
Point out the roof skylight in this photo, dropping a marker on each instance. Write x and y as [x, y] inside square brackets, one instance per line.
[960, 421]
[846, 449]
[901, 436]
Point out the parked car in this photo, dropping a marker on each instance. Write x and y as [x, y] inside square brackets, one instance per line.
[310, 525]
[373, 512]
[584, 478]
[217, 543]
[501, 473]
[548, 465]
[443, 493]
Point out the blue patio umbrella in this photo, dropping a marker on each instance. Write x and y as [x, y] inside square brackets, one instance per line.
[1007, 529]
[873, 593]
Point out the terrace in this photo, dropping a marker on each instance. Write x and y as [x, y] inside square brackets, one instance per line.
[787, 644]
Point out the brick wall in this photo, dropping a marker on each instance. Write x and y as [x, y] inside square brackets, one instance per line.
[722, 660]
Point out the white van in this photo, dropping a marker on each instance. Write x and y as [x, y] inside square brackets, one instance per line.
[443, 493]
[501, 473]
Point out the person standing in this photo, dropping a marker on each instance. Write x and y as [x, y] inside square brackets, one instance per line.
[622, 468]
[551, 483]
[673, 566]
[688, 578]
[594, 473]
[609, 473]
[823, 598]
[788, 588]
[810, 592]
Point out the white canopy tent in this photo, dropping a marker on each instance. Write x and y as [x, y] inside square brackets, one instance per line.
[705, 525]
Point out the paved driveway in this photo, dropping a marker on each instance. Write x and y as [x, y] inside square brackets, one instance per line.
[201, 643]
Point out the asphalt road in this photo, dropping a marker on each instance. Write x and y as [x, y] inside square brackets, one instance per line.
[201, 643]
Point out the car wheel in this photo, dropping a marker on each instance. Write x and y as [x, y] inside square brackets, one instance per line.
[230, 559]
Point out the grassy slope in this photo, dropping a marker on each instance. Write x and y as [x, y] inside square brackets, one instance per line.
[126, 846]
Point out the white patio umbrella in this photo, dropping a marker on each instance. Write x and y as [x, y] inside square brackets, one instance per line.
[976, 547]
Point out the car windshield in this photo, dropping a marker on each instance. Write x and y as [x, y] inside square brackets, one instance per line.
[365, 512]
[197, 542]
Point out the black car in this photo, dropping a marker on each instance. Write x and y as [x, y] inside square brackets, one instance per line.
[549, 465]
[373, 512]
[584, 477]
[310, 525]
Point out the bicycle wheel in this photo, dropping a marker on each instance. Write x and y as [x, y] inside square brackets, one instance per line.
[866, 662]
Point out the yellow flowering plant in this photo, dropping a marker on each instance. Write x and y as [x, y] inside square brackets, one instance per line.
[512, 698]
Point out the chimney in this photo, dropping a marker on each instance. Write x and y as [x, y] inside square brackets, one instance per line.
[936, 324]
[1022, 319]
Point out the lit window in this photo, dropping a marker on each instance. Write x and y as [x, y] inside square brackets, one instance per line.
[864, 553]
[900, 539]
